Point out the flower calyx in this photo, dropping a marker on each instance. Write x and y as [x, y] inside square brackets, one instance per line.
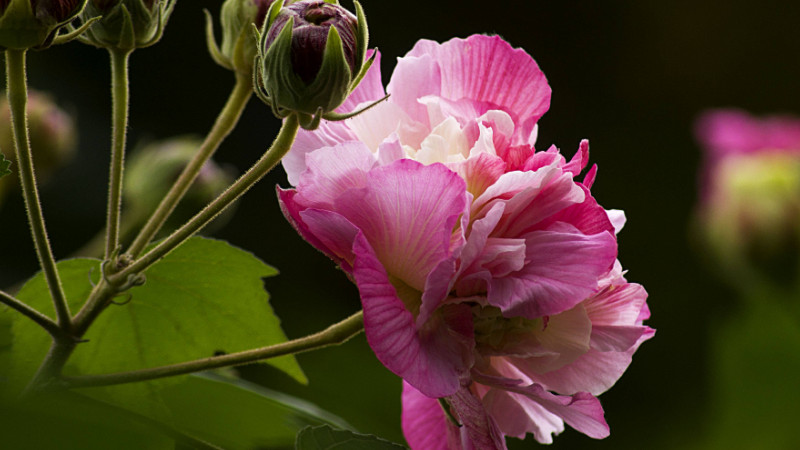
[35, 24]
[311, 55]
[125, 24]
[238, 48]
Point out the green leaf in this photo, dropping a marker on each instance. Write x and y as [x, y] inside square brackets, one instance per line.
[4, 166]
[205, 297]
[236, 414]
[326, 438]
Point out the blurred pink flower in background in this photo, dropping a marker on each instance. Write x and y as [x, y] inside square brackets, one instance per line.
[749, 208]
[486, 271]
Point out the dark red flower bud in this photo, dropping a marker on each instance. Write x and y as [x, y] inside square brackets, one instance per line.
[312, 19]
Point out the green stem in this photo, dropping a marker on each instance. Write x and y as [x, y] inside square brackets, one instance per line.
[120, 100]
[17, 90]
[333, 335]
[225, 122]
[270, 159]
[43, 321]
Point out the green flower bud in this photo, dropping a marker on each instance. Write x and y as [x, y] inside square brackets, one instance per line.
[28, 24]
[126, 24]
[238, 45]
[310, 57]
[52, 135]
[152, 169]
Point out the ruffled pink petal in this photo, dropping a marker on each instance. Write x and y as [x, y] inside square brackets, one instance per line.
[432, 358]
[407, 212]
[587, 216]
[487, 69]
[562, 270]
[617, 305]
[425, 426]
[479, 172]
[582, 411]
[531, 198]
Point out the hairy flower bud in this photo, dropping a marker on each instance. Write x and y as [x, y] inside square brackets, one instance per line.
[28, 24]
[238, 46]
[126, 24]
[52, 134]
[310, 56]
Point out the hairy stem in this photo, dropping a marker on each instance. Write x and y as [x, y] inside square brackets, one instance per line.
[333, 335]
[225, 122]
[17, 91]
[269, 160]
[119, 125]
[43, 321]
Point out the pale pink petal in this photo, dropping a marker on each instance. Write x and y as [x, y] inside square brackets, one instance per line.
[407, 212]
[412, 79]
[390, 150]
[517, 415]
[327, 135]
[561, 271]
[617, 219]
[333, 170]
[594, 372]
[375, 125]
[425, 426]
[432, 358]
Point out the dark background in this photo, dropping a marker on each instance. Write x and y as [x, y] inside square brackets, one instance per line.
[629, 76]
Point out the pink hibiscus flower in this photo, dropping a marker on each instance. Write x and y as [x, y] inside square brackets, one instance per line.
[474, 254]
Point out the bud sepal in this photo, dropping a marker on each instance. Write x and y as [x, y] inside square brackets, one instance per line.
[22, 28]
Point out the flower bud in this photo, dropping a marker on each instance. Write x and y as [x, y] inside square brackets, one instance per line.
[126, 24]
[28, 24]
[238, 46]
[52, 134]
[750, 199]
[310, 56]
[153, 168]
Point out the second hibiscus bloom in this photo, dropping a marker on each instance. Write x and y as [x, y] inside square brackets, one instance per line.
[486, 269]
